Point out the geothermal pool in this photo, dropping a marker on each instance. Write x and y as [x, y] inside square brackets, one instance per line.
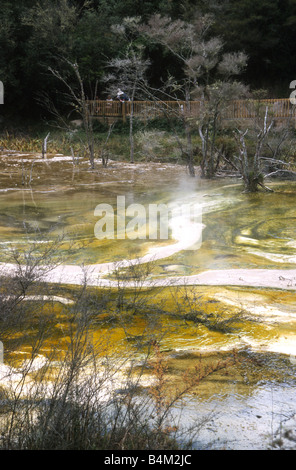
[238, 254]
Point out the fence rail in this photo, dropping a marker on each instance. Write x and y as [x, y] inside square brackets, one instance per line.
[239, 109]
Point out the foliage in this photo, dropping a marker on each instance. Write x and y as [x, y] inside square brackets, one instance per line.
[264, 31]
[34, 33]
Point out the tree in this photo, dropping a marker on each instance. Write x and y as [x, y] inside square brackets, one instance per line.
[92, 43]
[78, 101]
[215, 102]
[250, 164]
[11, 60]
[259, 146]
[201, 59]
[181, 40]
[128, 72]
[50, 27]
[57, 30]
[60, 29]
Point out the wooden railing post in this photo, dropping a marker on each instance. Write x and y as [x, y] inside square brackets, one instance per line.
[123, 110]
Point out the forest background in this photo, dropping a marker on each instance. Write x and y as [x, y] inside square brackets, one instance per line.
[35, 35]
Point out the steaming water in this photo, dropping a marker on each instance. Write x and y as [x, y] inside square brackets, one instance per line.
[238, 231]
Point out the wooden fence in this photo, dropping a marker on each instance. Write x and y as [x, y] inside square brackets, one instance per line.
[144, 110]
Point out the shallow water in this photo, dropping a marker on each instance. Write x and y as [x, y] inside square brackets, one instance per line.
[239, 231]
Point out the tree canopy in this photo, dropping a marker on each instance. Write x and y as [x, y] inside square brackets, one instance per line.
[36, 34]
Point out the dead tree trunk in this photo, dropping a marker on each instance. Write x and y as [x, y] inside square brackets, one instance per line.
[44, 145]
[250, 164]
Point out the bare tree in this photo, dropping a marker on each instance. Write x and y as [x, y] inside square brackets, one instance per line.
[128, 72]
[181, 40]
[201, 58]
[215, 102]
[250, 158]
[104, 151]
[44, 145]
[79, 102]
